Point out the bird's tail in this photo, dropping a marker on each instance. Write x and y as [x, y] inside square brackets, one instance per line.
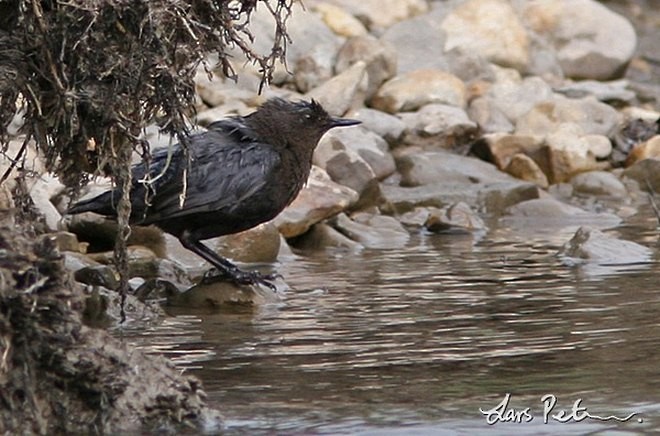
[102, 204]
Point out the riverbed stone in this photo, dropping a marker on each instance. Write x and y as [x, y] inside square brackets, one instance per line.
[646, 173]
[222, 294]
[548, 211]
[515, 96]
[500, 148]
[379, 57]
[649, 149]
[615, 91]
[338, 94]
[602, 183]
[438, 125]
[591, 41]
[489, 28]
[380, 14]
[387, 126]
[373, 231]
[255, 245]
[414, 89]
[321, 198]
[525, 168]
[322, 236]
[373, 149]
[457, 217]
[490, 118]
[591, 245]
[339, 20]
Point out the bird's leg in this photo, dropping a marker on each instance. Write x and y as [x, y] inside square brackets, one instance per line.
[225, 267]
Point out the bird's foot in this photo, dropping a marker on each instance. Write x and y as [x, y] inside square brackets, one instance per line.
[242, 277]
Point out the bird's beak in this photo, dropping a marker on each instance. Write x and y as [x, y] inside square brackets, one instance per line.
[342, 122]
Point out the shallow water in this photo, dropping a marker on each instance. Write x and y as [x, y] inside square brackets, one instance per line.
[417, 340]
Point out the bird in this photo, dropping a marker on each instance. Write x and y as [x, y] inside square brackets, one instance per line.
[242, 171]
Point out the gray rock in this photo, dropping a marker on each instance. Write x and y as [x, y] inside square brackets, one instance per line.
[433, 167]
[322, 236]
[439, 125]
[599, 183]
[489, 28]
[74, 261]
[549, 212]
[388, 127]
[65, 241]
[99, 275]
[222, 294]
[457, 217]
[495, 198]
[646, 173]
[379, 56]
[414, 89]
[338, 94]
[418, 216]
[321, 198]
[373, 149]
[591, 245]
[515, 96]
[592, 42]
[490, 118]
[525, 168]
[615, 91]
[373, 231]
[256, 245]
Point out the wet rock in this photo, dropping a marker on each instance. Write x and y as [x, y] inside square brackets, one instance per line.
[388, 127]
[500, 148]
[219, 294]
[338, 94]
[591, 41]
[591, 245]
[495, 198]
[489, 28]
[613, 92]
[599, 183]
[439, 125]
[639, 126]
[433, 167]
[99, 275]
[373, 231]
[552, 212]
[322, 236]
[646, 173]
[418, 216]
[379, 56]
[320, 199]
[586, 116]
[73, 261]
[457, 217]
[339, 20]
[412, 90]
[380, 14]
[66, 241]
[256, 245]
[525, 168]
[649, 149]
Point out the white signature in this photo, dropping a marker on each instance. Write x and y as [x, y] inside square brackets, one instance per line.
[577, 413]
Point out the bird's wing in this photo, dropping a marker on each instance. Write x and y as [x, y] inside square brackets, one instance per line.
[220, 176]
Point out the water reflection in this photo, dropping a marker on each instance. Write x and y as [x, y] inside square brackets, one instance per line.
[417, 340]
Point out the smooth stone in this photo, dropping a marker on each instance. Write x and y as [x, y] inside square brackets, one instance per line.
[439, 125]
[414, 89]
[339, 20]
[379, 56]
[649, 149]
[515, 96]
[387, 126]
[417, 217]
[490, 118]
[322, 236]
[41, 189]
[456, 217]
[525, 168]
[599, 183]
[551, 212]
[321, 198]
[373, 149]
[500, 148]
[615, 91]
[373, 231]
[591, 41]
[567, 155]
[73, 261]
[65, 241]
[646, 173]
[338, 94]
[489, 28]
[255, 245]
[591, 245]
[98, 275]
[433, 167]
[222, 294]
[380, 14]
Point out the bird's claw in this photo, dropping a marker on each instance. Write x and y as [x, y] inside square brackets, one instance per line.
[242, 277]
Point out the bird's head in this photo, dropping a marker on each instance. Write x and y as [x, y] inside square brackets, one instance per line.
[295, 123]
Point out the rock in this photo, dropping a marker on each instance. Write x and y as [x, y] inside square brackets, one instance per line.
[457, 217]
[439, 125]
[523, 167]
[322, 236]
[222, 294]
[66, 241]
[379, 56]
[567, 154]
[321, 198]
[339, 21]
[414, 89]
[233, 107]
[256, 245]
[591, 245]
[99, 275]
[587, 115]
[500, 148]
[216, 91]
[649, 149]
[646, 173]
[369, 146]
[388, 127]
[550, 212]
[591, 41]
[338, 94]
[434, 167]
[490, 118]
[73, 261]
[418, 216]
[41, 189]
[380, 14]
[515, 96]
[599, 183]
[495, 198]
[489, 28]
[373, 231]
[611, 92]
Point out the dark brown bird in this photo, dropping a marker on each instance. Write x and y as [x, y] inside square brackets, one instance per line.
[243, 171]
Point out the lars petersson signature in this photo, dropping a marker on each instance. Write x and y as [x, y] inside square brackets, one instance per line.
[577, 413]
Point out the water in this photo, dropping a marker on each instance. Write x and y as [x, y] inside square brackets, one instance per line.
[417, 340]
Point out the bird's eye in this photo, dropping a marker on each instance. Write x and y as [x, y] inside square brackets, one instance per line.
[308, 116]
